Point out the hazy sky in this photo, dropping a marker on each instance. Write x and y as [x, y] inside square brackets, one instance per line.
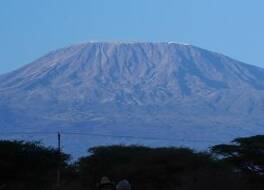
[31, 28]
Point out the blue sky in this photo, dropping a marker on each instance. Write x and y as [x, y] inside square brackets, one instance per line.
[31, 28]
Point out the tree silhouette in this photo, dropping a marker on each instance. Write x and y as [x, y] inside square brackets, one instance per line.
[28, 165]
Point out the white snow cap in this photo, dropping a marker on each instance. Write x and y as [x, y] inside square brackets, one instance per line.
[172, 42]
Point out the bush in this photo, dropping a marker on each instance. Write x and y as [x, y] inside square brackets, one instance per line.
[156, 169]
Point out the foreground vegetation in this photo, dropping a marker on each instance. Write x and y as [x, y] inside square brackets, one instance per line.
[30, 165]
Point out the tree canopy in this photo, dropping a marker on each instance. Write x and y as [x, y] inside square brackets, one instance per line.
[247, 154]
[28, 164]
[157, 168]
[238, 165]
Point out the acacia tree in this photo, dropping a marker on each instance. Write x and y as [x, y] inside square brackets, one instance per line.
[246, 154]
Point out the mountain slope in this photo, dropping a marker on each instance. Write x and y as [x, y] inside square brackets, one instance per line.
[160, 89]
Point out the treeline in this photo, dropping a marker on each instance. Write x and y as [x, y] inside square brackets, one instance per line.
[239, 165]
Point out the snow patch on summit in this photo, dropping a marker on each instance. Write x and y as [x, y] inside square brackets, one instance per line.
[173, 42]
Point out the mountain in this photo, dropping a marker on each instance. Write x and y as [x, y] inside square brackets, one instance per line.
[153, 90]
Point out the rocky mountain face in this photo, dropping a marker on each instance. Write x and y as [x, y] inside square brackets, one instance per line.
[152, 89]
